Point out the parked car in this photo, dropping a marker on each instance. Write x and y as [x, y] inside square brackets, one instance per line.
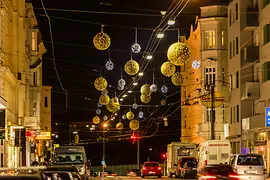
[249, 166]
[217, 172]
[151, 168]
[181, 163]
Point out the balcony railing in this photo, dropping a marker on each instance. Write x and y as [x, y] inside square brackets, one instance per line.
[250, 19]
[250, 91]
[253, 122]
[249, 54]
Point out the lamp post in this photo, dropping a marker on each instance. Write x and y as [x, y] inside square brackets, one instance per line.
[211, 87]
[105, 125]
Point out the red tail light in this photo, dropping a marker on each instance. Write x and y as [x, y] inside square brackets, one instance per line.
[205, 162]
[144, 168]
[159, 168]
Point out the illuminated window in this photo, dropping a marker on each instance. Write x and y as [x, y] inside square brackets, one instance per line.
[222, 39]
[210, 40]
[34, 40]
[210, 75]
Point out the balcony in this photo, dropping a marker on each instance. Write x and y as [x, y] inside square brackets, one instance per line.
[206, 127]
[250, 91]
[250, 19]
[249, 54]
[253, 122]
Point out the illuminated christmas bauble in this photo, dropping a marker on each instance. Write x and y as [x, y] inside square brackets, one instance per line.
[141, 114]
[119, 126]
[124, 117]
[105, 118]
[120, 88]
[177, 79]
[145, 89]
[98, 111]
[130, 115]
[134, 125]
[168, 69]
[105, 91]
[145, 99]
[131, 67]
[135, 48]
[178, 53]
[153, 88]
[104, 99]
[96, 120]
[102, 41]
[135, 106]
[109, 65]
[113, 106]
[100, 83]
[99, 105]
[121, 82]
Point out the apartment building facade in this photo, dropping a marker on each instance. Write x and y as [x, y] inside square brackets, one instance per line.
[208, 44]
[249, 74]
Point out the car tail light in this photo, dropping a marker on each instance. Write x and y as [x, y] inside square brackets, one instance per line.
[159, 168]
[205, 162]
[209, 177]
[264, 171]
[144, 168]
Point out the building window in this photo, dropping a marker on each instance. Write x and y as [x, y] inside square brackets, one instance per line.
[266, 33]
[34, 78]
[34, 40]
[236, 45]
[230, 49]
[236, 11]
[209, 114]
[210, 75]
[233, 48]
[266, 71]
[237, 80]
[231, 118]
[46, 102]
[230, 17]
[34, 108]
[222, 39]
[265, 3]
[237, 113]
[210, 40]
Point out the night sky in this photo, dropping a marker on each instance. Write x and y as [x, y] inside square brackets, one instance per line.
[79, 64]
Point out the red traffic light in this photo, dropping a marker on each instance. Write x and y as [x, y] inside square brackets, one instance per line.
[164, 155]
[133, 137]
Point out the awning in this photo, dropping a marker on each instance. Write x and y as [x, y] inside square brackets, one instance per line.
[3, 103]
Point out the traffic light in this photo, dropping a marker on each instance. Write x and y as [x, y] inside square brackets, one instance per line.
[133, 138]
[164, 155]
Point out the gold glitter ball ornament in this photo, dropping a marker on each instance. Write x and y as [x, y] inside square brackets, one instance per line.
[178, 53]
[134, 125]
[100, 83]
[104, 99]
[96, 120]
[113, 106]
[177, 79]
[145, 99]
[119, 126]
[168, 69]
[102, 41]
[131, 67]
[130, 115]
[145, 90]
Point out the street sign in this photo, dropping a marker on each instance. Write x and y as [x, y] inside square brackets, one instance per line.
[267, 116]
[103, 163]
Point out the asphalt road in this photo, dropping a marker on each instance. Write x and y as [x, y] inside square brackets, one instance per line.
[135, 178]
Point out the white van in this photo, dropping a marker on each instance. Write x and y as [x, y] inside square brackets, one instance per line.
[214, 152]
[249, 166]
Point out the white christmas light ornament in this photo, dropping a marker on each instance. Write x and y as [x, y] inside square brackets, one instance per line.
[99, 105]
[98, 111]
[135, 106]
[121, 82]
[141, 114]
[153, 88]
[105, 92]
[196, 64]
[136, 48]
[164, 89]
[109, 65]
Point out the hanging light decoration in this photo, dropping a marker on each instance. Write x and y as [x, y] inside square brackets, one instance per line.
[120, 88]
[164, 89]
[113, 106]
[141, 114]
[119, 126]
[109, 65]
[153, 87]
[177, 79]
[163, 102]
[124, 117]
[168, 69]
[105, 118]
[104, 99]
[100, 83]
[102, 41]
[145, 90]
[134, 125]
[145, 99]
[136, 48]
[96, 120]
[105, 92]
[98, 111]
[132, 67]
[135, 106]
[178, 53]
[99, 105]
[130, 115]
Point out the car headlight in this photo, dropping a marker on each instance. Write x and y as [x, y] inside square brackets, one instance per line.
[82, 170]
